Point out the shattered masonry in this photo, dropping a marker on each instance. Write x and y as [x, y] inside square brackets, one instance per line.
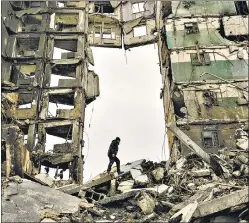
[203, 52]
[31, 32]
[203, 58]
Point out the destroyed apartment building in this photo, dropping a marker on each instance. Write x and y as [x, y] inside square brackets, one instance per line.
[203, 59]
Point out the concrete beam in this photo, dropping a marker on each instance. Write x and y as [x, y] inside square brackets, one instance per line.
[219, 204]
[195, 148]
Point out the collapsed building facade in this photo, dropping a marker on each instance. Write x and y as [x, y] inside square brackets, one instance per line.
[32, 32]
[203, 58]
[203, 52]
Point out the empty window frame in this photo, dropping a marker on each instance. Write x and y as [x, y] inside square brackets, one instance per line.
[26, 44]
[62, 71]
[31, 23]
[140, 31]
[138, 7]
[65, 48]
[23, 74]
[26, 100]
[60, 101]
[210, 138]
[104, 33]
[200, 60]
[191, 28]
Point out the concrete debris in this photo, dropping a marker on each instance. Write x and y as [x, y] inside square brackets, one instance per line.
[161, 189]
[45, 178]
[180, 163]
[31, 197]
[112, 191]
[126, 185]
[135, 173]
[190, 190]
[242, 144]
[191, 186]
[201, 173]
[185, 213]
[158, 173]
[227, 201]
[204, 68]
[146, 203]
[142, 180]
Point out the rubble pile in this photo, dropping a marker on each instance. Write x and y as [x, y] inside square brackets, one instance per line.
[187, 190]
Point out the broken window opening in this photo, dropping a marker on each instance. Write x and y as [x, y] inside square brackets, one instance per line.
[26, 105]
[54, 81]
[138, 7]
[61, 4]
[191, 28]
[140, 31]
[31, 22]
[65, 22]
[103, 7]
[211, 98]
[65, 49]
[52, 173]
[179, 104]
[25, 139]
[51, 140]
[64, 131]
[22, 74]
[26, 44]
[52, 108]
[67, 70]
[204, 59]
[241, 8]
[210, 138]
[63, 98]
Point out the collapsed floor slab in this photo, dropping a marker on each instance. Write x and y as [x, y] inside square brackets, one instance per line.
[27, 201]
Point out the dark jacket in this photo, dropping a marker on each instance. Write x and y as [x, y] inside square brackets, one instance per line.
[113, 148]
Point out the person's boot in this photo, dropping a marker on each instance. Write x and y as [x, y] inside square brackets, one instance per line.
[120, 172]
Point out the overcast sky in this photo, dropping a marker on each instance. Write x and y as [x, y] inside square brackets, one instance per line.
[129, 106]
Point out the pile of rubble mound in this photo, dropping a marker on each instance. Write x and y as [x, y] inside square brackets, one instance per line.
[188, 190]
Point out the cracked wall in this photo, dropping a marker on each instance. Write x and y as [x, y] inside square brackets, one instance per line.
[42, 40]
[203, 51]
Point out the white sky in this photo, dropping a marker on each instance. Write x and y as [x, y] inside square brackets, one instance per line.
[129, 106]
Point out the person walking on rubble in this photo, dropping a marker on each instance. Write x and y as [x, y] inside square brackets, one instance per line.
[112, 154]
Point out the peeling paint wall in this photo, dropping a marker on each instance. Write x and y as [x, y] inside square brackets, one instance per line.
[203, 56]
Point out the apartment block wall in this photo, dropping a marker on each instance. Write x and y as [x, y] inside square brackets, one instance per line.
[203, 52]
[41, 41]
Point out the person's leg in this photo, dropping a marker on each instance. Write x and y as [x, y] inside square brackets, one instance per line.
[111, 161]
[118, 164]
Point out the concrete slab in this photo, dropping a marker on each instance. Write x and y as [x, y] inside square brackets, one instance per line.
[135, 173]
[142, 180]
[28, 204]
[126, 185]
